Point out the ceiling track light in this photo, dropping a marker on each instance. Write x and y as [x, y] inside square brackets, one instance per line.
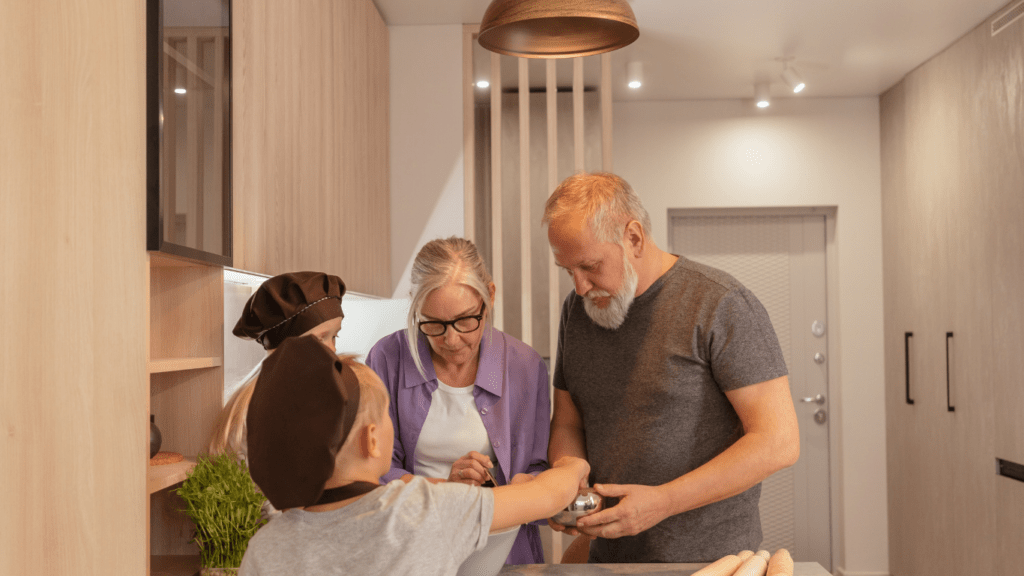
[792, 78]
[557, 28]
[635, 74]
[761, 95]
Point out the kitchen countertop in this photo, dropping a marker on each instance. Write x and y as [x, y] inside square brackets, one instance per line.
[799, 569]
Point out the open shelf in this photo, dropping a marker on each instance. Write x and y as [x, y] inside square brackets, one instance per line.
[165, 475]
[168, 565]
[186, 386]
[177, 364]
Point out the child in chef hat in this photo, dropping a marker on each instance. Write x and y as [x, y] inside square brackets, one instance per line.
[320, 437]
[287, 305]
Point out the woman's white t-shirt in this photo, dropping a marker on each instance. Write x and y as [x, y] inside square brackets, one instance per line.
[452, 429]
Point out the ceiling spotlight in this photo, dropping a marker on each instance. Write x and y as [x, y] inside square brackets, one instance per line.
[761, 95]
[793, 79]
[563, 29]
[483, 84]
[179, 90]
[635, 74]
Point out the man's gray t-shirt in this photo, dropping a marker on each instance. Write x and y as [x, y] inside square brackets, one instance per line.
[412, 529]
[651, 395]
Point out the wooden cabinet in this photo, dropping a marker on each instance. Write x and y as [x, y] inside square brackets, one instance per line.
[953, 255]
[310, 152]
[186, 384]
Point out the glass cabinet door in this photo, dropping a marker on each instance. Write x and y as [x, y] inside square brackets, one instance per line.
[189, 70]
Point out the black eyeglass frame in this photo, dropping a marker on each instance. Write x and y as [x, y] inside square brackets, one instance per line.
[446, 323]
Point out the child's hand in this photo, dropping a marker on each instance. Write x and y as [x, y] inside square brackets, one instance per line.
[521, 478]
[578, 465]
[471, 469]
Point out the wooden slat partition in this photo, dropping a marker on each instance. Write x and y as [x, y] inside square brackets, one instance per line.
[497, 243]
[469, 32]
[554, 306]
[577, 115]
[606, 112]
[525, 236]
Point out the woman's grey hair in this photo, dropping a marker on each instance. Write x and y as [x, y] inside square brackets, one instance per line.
[439, 263]
[607, 201]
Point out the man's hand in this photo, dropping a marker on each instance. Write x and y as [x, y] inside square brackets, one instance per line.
[639, 508]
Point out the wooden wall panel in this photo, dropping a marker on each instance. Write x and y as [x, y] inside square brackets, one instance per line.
[73, 393]
[311, 140]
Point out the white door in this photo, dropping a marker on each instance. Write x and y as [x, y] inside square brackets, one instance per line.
[781, 259]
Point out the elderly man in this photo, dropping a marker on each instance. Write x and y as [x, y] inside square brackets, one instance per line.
[669, 380]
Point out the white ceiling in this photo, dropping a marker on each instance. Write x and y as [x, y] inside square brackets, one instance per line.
[711, 49]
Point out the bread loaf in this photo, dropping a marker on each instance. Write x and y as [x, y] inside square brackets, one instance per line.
[780, 564]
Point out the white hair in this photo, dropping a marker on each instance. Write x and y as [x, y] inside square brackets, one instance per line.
[607, 201]
[439, 263]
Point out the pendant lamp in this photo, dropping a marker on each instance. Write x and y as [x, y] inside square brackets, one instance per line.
[557, 28]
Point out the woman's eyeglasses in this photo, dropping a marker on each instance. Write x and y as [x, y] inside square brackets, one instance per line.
[462, 325]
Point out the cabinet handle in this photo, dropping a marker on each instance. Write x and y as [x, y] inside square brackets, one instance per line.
[906, 361]
[949, 407]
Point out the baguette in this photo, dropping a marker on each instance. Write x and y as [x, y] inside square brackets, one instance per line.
[724, 566]
[780, 564]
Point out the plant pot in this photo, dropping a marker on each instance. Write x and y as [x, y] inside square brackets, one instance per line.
[218, 572]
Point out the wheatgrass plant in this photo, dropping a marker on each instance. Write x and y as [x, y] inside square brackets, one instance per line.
[225, 506]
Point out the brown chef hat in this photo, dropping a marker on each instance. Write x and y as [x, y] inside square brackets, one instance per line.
[302, 409]
[290, 305]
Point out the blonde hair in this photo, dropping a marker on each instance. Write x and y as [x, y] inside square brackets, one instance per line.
[439, 263]
[373, 397]
[229, 433]
[606, 201]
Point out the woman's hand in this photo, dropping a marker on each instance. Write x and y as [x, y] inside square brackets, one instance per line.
[521, 478]
[471, 469]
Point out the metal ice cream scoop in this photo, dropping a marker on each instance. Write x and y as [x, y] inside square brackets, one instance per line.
[587, 502]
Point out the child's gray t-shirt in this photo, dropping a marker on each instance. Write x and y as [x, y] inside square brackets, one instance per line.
[417, 528]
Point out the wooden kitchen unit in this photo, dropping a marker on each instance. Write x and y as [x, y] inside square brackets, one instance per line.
[953, 249]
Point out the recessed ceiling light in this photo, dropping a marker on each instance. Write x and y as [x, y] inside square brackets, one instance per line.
[635, 74]
[179, 90]
[483, 84]
[761, 95]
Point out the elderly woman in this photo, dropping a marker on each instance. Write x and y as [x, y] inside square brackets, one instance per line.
[287, 305]
[469, 402]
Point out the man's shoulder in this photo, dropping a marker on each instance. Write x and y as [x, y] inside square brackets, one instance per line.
[688, 272]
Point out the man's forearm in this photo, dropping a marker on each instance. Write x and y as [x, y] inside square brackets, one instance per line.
[750, 460]
[566, 441]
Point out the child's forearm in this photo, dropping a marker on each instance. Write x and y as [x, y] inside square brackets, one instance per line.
[543, 497]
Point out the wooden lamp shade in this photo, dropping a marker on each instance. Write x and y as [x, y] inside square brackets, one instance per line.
[557, 28]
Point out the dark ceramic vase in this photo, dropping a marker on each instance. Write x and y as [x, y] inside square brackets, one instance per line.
[154, 437]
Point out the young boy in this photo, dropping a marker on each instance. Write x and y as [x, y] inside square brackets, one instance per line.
[320, 438]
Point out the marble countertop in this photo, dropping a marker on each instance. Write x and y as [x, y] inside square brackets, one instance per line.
[799, 569]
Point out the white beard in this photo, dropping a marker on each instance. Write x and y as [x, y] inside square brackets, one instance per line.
[614, 314]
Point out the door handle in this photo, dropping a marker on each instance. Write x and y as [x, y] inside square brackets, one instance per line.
[949, 406]
[906, 361]
[819, 399]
